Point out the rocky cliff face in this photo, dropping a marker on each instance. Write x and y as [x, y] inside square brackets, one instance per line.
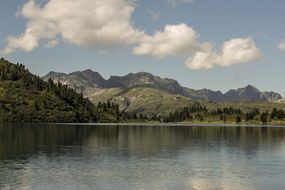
[143, 79]
[83, 82]
[272, 96]
[88, 80]
[95, 78]
[250, 93]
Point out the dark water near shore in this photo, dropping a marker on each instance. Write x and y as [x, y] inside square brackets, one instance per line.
[56, 157]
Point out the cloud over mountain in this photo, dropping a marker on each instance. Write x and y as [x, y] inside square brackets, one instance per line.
[234, 51]
[80, 22]
[174, 40]
[108, 23]
[181, 39]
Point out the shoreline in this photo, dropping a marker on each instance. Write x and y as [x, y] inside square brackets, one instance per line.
[157, 124]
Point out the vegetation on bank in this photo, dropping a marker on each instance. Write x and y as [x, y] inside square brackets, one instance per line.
[26, 98]
[197, 113]
[229, 115]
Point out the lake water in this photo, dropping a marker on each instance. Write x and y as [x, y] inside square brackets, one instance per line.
[71, 157]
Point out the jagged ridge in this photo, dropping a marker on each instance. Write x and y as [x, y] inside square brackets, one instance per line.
[88, 79]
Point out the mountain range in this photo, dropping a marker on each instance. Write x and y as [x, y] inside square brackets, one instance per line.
[90, 82]
[25, 97]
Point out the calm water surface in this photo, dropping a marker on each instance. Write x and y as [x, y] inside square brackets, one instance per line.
[71, 157]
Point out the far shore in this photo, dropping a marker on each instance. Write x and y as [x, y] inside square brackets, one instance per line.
[158, 124]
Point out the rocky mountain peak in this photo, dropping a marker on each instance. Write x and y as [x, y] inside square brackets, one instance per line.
[88, 79]
[95, 78]
[53, 75]
[145, 79]
[248, 88]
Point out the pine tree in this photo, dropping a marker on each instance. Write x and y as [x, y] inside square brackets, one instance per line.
[238, 119]
[263, 117]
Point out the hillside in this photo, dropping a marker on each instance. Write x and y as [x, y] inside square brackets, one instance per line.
[25, 97]
[144, 100]
[151, 101]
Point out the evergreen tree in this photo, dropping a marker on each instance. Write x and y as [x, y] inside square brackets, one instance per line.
[263, 117]
[238, 119]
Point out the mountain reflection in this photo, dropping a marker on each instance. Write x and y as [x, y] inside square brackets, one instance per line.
[141, 141]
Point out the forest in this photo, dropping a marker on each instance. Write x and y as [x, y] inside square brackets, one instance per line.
[26, 98]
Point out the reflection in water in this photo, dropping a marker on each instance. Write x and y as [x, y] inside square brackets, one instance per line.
[140, 157]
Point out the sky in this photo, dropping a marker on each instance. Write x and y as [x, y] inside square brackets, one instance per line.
[214, 44]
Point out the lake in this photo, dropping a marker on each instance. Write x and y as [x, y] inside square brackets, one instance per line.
[54, 157]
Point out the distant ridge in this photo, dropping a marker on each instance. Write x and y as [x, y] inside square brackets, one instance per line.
[85, 81]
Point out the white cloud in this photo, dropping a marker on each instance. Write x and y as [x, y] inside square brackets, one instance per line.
[100, 24]
[174, 40]
[281, 45]
[182, 40]
[80, 22]
[174, 3]
[27, 42]
[239, 50]
[179, 40]
[234, 51]
[201, 60]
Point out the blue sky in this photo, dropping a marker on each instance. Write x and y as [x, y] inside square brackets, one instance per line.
[256, 24]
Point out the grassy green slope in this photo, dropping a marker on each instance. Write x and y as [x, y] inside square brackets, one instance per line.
[104, 94]
[145, 100]
[153, 101]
